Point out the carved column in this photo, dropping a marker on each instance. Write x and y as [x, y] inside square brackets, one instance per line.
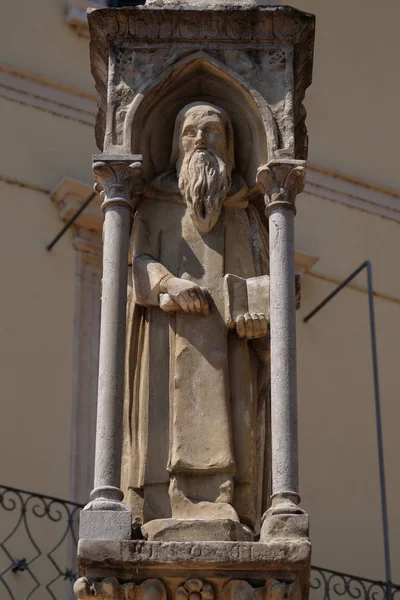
[281, 181]
[118, 179]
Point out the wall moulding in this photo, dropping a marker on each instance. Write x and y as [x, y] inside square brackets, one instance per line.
[69, 196]
[355, 193]
[47, 95]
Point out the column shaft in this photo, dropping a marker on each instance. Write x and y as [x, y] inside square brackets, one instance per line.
[283, 351]
[112, 346]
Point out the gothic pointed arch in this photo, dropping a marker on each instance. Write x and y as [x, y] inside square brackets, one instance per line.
[150, 117]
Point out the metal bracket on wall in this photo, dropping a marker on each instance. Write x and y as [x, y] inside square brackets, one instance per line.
[385, 523]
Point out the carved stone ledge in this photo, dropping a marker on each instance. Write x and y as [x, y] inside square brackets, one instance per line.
[68, 198]
[99, 557]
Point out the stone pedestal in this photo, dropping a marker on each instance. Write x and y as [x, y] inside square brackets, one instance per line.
[194, 570]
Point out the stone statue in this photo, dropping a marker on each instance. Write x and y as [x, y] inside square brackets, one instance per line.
[196, 433]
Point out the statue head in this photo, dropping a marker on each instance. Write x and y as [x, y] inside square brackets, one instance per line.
[202, 154]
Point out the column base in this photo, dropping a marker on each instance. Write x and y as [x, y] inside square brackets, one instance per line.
[106, 517]
[284, 519]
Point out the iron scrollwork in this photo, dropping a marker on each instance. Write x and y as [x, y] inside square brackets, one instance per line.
[38, 541]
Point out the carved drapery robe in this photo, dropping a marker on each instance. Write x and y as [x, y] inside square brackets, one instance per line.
[196, 399]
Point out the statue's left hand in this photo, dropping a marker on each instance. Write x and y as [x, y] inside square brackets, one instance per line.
[252, 326]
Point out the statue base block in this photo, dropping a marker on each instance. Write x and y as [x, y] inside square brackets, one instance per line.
[285, 526]
[179, 530]
[105, 524]
[135, 569]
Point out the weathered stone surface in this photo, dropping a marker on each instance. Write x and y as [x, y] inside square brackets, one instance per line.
[289, 526]
[196, 414]
[260, 47]
[111, 589]
[127, 556]
[105, 524]
[209, 95]
[192, 589]
[203, 4]
[201, 530]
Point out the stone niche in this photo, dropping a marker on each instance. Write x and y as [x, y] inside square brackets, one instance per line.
[150, 61]
[255, 63]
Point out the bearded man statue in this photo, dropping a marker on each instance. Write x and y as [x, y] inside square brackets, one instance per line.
[196, 418]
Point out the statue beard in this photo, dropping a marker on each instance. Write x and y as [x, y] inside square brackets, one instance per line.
[204, 181]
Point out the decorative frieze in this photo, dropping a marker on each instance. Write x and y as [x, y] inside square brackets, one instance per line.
[111, 589]
[192, 589]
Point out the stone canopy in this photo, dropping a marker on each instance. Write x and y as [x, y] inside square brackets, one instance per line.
[259, 54]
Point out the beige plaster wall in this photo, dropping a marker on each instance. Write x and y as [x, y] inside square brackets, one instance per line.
[338, 448]
[36, 333]
[53, 147]
[353, 102]
[44, 44]
[38, 288]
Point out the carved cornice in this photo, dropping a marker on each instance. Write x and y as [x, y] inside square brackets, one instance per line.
[69, 196]
[356, 193]
[281, 181]
[176, 23]
[118, 180]
[304, 262]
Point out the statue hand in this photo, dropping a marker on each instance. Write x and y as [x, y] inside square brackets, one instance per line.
[252, 326]
[188, 295]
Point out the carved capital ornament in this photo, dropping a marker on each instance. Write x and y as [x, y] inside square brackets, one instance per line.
[118, 180]
[281, 181]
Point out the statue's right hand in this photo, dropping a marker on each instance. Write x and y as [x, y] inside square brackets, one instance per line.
[188, 295]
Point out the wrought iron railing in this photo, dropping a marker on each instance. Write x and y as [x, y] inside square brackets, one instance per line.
[332, 585]
[38, 538]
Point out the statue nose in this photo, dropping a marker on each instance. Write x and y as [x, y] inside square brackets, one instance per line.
[200, 143]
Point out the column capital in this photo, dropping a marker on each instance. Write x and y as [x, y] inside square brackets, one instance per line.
[281, 180]
[118, 179]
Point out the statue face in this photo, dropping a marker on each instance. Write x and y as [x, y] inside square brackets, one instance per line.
[203, 131]
[203, 167]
